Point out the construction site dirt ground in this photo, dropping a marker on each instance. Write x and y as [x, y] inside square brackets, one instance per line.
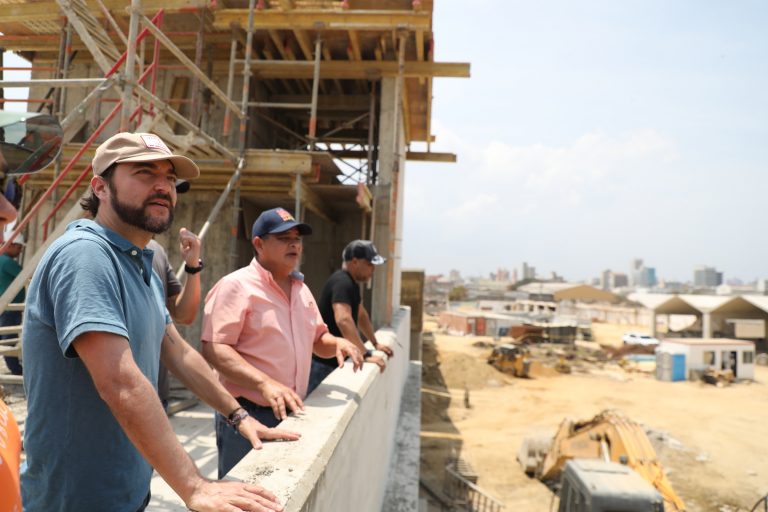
[711, 441]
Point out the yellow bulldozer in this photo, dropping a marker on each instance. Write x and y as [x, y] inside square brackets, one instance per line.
[613, 440]
[511, 359]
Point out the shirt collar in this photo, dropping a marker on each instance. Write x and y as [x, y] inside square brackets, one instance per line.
[266, 274]
[142, 256]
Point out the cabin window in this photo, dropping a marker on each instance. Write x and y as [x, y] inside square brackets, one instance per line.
[709, 357]
[748, 357]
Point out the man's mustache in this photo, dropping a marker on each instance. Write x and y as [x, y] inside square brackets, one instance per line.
[165, 197]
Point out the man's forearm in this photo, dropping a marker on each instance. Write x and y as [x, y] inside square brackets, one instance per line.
[186, 303]
[325, 346]
[366, 327]
[145, 423]
[233, 366]
[349, 331]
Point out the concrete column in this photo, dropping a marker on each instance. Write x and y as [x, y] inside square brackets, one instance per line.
[706, 325]
[653, 323]
[388, 204]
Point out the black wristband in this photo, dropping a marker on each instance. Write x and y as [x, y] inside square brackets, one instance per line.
[194, 270]
[368, 353]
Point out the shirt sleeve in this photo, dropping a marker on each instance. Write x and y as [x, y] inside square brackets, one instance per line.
[85, 293]
[173, 285]
[320, 326]
[341, 292]
[226, 307]
[12, 268]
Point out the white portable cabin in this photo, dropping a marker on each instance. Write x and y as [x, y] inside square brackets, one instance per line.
[718, 353]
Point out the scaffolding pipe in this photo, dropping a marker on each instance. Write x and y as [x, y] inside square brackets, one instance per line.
[230, 84]
[371, 128]
[130, 59]
[65, 55]
[51, 82]
[269, 104]
[315, 87]
[155, 64]
[195, 89]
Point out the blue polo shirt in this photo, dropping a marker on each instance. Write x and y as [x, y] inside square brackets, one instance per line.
[78, 457]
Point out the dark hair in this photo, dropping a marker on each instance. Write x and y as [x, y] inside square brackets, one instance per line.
[91, 202]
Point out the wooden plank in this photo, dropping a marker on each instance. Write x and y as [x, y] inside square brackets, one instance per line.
[321, 19]
[413, 156]
[345, 70]
[49, 11]
[354, 43]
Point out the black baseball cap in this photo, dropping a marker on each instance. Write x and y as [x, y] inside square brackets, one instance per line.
[277, 220]
[362, 249]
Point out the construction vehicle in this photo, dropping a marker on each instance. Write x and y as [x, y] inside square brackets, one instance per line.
[719, 378]
[599, 486]
[510, 359]
[609, 436]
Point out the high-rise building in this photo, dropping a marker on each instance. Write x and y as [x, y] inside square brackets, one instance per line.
[502, 275]
[706, 277]
[528, 272]
[610, 280]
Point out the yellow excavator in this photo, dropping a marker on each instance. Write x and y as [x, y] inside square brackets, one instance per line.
[609, 437]
[511, 359]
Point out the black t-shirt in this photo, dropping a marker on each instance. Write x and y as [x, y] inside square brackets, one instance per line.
[340, 287]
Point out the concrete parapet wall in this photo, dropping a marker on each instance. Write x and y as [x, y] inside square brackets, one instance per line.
[343, 460]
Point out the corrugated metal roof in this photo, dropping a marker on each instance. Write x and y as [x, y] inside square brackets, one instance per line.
[706, 342]
[548, 287]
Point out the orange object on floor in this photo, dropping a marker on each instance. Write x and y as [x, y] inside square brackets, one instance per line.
[10, 454]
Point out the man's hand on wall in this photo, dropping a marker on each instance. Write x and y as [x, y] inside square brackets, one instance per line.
[281, 398]
[384, 348]
[344, 349]
[215, 496]
[254, 431]
[377, 360]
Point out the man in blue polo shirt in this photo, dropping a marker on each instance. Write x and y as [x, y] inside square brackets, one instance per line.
[95, 330]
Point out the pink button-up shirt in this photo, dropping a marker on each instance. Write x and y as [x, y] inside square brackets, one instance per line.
[248, 310]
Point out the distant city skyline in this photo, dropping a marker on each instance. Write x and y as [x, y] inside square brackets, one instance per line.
[595, 132]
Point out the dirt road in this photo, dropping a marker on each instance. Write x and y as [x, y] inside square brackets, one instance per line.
[711, 442]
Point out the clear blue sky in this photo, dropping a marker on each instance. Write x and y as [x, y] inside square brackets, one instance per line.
[594, 132]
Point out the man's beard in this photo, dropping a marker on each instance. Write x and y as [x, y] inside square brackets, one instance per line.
[138, 218]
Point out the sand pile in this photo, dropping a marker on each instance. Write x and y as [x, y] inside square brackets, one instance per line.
[463, 370]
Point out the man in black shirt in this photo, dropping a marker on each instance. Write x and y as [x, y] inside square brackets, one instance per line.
[342, 309]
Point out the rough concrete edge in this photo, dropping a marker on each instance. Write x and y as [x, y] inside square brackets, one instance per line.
[402, 492]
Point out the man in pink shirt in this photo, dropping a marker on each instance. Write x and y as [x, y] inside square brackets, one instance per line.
[261, 326]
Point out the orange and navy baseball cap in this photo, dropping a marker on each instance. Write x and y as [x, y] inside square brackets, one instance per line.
[140, 147]
[277, 220]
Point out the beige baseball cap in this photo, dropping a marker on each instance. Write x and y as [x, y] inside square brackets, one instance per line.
[140, 147]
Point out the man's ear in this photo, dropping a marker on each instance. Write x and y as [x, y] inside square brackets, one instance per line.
[257, 243]
[99, 186]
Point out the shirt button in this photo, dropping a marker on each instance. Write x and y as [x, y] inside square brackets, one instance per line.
[133, 252]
